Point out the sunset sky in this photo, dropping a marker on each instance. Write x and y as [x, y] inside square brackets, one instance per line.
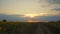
[40, 10]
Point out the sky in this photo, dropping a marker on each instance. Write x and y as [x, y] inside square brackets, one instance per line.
[41, 10]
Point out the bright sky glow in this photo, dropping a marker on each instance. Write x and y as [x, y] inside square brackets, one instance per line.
[32, 21]
[26, 7]
[30, 8]
[31, 15]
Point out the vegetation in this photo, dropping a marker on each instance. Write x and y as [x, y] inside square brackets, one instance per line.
[54, 27]
[19, 27]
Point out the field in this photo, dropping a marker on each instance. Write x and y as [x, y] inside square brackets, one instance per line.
[23, 27]
[54, 27]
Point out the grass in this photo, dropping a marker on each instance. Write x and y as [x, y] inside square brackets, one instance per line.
[54, 27]
[19, 27]
[14, 27]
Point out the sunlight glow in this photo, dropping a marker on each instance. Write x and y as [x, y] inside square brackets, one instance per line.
[41, 14]
[34, 15]
[32, 21]
[30, 15]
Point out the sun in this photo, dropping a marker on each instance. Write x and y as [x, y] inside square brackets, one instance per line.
[34, 15]
[30, 15]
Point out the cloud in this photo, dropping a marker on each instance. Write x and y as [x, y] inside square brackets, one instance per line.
[50, 1]
[14, 9]
[56, 9]
[48, 18]
[53, 1]
[49, 14]
[13, 17]
[24, 19]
